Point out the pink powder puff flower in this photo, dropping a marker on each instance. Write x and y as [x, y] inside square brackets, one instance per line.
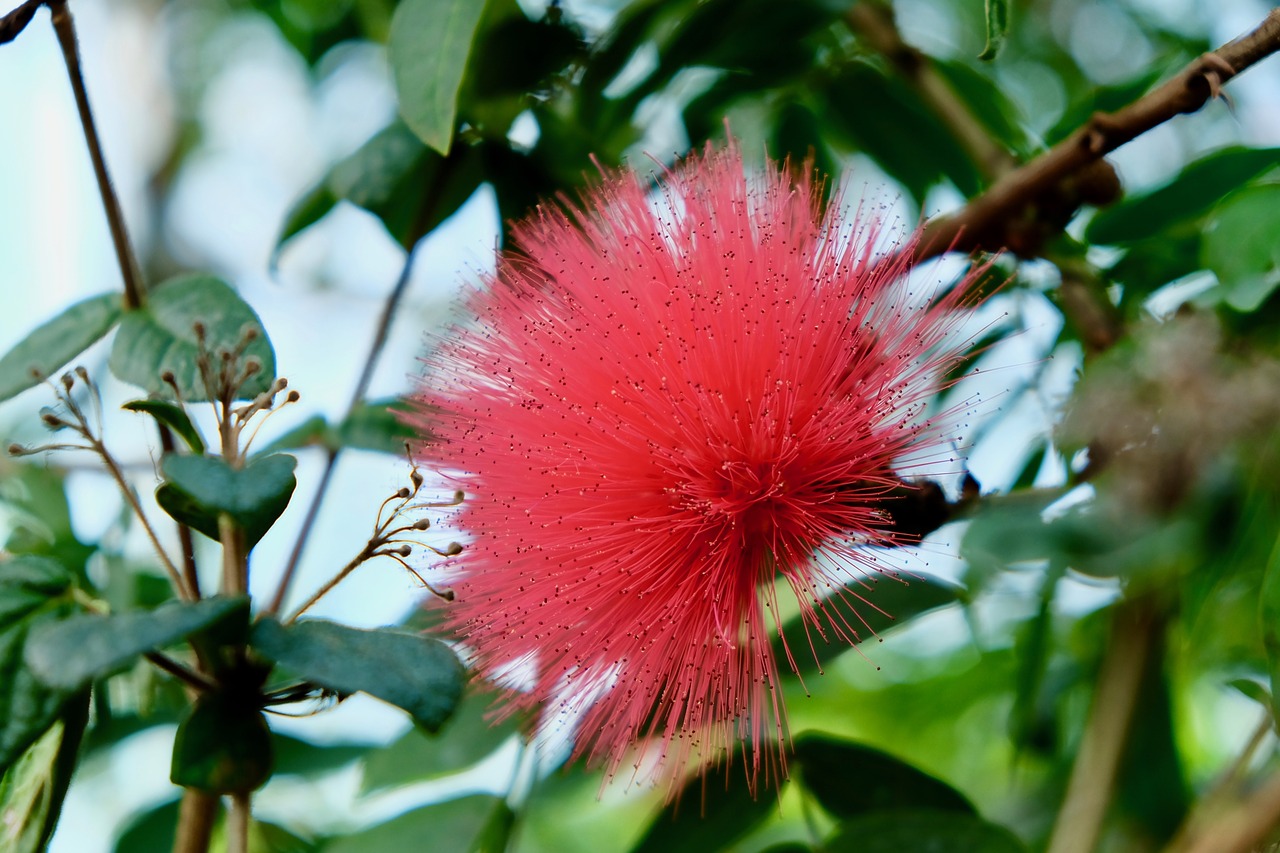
[663, 402]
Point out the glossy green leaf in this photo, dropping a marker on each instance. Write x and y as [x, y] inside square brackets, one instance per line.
[34, 592]
[223, 746]
[70, 653]
[173, 416]
[33, 788]
[200, 488]
[1240, 246]
[1196, 189]
[850, 779]
[709, 813]
[449, 826]
[160, 338]
[429, 47]
[419, 674]
[465, 739]
[921, 830]
[997, 16]
[859, 613]
[40, 354]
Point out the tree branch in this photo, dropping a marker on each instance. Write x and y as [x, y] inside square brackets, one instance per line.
[985, 223]
[1135, 628]
[874, 22]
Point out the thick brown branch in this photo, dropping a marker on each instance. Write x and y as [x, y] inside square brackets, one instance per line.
[984, 222]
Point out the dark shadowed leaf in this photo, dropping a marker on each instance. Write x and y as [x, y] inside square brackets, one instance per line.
[223, 746]
[453, 827]
[33, 788]
[1269, 616]
[429, 45]
[850, 779]
[52, 345]
[200, 488]
[860, 613]
[295, 756]
[34, 591]
[420, 675]
[407, 186]
[710, 812]
[922, 830]
[173, 416]
[879, 115]
[151, 830]
[1197, 188]
[160, 337]
[71, 652]
[466, 738]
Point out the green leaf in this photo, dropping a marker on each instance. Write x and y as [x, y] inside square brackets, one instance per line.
[200, 488]
[372, 426]
[495, 835]
[298, 757]
[446, 827]
[393, 176]
[879, 115]
[160, 337]
[828, 764]
[151, 830]
[865, 612]
[997, 15]
[173, 416]
[708, 814]
[465, 739]
[420, 675]
[921, 830]
[1240, 246]
[1196, 189]
[1269, 616]
[1252, 689]
[223, 746]
[34, 591]
[52, 345]
[429, 45]
[33, 788]
[70, 653]
[40, 516]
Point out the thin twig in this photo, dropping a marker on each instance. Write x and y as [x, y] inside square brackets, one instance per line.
[238, 823]
[331, 456]
[1135, 628]
[981, 223]
[134, 290]
[1217, 800]
[1241, 828]
[181, 672]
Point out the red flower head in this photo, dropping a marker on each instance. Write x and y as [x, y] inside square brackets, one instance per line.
[665, 402]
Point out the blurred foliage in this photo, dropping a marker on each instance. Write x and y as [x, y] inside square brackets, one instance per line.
[1155, 482]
